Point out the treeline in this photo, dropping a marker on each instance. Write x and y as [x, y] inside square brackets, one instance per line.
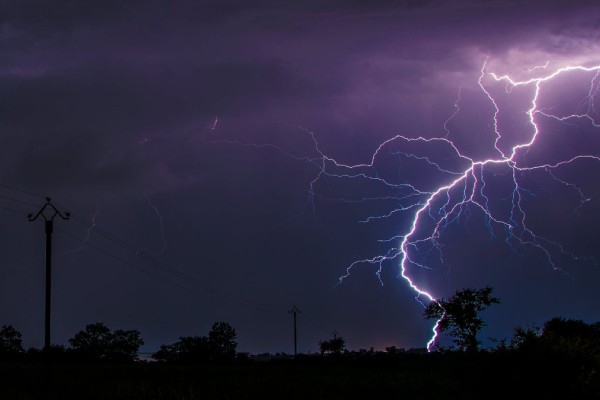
[458, 317]
[95, 343]
[98, 343]
[558, 360]
[559, 337]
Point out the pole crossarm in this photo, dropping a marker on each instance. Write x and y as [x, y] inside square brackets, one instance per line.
[53, 212]
[294, 310]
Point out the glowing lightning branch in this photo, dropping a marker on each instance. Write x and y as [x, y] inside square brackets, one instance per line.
[213, 126]
[162, 228]
[516, 225]
[471, 182]
[466, 186]
[87, 234]
[456, 111]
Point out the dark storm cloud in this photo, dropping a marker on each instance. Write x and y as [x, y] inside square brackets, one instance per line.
[110, 105]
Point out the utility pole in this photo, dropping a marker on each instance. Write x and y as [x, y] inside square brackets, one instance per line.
[48, 212]
[295, 311]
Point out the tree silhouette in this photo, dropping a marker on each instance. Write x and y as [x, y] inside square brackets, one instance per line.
[525, 339]
[98, 342]
[336, 345]
[10, 340]
[222, 342]
[188, 350]
[219, 346]
[570, 337]
[459, 315]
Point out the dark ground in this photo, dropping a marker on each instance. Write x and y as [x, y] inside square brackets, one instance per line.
[404, 376]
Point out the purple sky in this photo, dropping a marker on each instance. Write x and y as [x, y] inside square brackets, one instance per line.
[182, 130]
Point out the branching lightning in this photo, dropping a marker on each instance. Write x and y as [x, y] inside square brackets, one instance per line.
[466, 183]
[474, 184]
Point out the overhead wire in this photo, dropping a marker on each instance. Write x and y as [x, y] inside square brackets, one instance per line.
[189, 279]
[14, 210]
[22, 191]
[18, 201]
[64, 232]
[144, 256]
[314, 324]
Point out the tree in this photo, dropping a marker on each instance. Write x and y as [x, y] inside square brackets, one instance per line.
[569, 337]
[459, 315]
[222, 342]
[124, 345]
[333, 346]
[93, 341]
[10, 340]
[219, 346]
[98, 342]
[525, 339]
[188, 350]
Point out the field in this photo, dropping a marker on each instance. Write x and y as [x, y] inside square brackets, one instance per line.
[405, 376]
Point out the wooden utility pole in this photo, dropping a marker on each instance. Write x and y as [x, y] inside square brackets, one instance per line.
[295, 311]
[48, 212]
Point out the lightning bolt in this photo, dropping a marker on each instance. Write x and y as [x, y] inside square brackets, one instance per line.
[454, 114]
[213, 126]
[544, 66]
[88, 233]
[474, 184]
[161, 225]
[466, 182]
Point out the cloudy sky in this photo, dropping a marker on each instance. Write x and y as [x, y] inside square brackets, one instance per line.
[226, 160]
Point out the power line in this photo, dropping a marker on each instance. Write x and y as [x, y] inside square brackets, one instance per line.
[124, 261]
[224, 296]
[15, 211]
[15, 200]
[19, 201]
[168, 268]
[228, 298]
[318, 327]
[22, 191]
[144, 256]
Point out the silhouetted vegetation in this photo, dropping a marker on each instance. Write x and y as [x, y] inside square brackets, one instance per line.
[220, 346]
[568, 337]
[459, 315]
[336, 345]
[353, 374]
[98, 342]
[10, 342]
[557, 361]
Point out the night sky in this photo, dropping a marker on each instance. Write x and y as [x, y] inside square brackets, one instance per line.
[223, 161]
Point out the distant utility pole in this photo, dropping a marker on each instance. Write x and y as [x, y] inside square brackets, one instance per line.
[295, 311]
[48, 212]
